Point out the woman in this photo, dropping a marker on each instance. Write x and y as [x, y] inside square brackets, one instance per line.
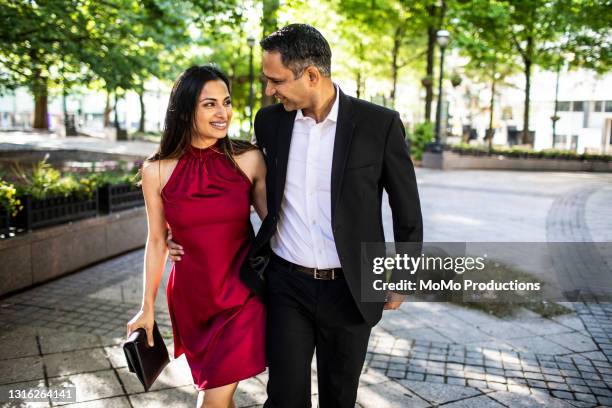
[201, 184]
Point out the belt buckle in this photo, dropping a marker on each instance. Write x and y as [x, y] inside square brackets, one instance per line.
[325, 276]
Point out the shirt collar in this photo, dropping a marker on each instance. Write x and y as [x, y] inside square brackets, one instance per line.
[333, 113]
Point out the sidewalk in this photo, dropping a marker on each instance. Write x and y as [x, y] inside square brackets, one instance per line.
[46, 141]
[69, 332]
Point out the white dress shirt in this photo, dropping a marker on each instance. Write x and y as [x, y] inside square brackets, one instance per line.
[304, 234]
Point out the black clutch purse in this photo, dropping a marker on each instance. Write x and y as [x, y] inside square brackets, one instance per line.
[147, 362]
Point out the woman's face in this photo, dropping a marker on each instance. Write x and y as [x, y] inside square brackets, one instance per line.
[214, 111]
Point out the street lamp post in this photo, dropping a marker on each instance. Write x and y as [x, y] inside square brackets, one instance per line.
[569, 57]
[442, 37]
[251, 43]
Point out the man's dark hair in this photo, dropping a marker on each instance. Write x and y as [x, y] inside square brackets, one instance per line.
[300, 45]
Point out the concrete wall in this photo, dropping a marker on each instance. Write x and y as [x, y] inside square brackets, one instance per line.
[450, 160]
[45, 254]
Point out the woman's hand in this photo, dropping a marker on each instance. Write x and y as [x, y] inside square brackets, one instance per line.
[143, 319]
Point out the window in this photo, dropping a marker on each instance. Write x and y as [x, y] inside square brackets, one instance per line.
[578, 106]
[559, 141]
[563, 106]
[598, 105]
[608, 106]
[574, 143]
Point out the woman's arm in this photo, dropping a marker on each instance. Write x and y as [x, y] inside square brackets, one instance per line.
[156, 252]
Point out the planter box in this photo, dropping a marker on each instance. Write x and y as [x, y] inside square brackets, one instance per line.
[47, 253]
[38, 213]
[119, 197]
[448, 160]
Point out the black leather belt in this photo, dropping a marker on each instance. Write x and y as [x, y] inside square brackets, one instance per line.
[319, 274]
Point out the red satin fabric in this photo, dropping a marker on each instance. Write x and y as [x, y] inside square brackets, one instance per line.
[216, 321]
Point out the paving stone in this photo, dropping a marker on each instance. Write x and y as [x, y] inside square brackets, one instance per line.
[574, 341]
[537, 344]
[115, 402]
[370, 377]
[562, 394]
[439, 393]
[388, 395]
[476, 383]
[543, 327]
[90, 386]
[481, 401]
[514, 400]
[605, 401]
[19, 342]
[5, 393]
[21, 369]
[173, 397]
[250, 392]
[60, 341]
[74, 362]
[585, 397]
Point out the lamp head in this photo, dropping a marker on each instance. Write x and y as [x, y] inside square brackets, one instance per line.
[442, 37]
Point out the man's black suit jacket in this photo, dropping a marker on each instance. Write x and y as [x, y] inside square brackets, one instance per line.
[370, 153]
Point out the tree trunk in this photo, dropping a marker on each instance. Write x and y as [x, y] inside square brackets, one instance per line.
[270, 24]
[528, 67]
[41, 117]
[141, 125]
[397, 40]
[40, 91]
[116, 120]
[492, 107]
[358, 81]
[525, 134]
[107, 111]
[431, 44]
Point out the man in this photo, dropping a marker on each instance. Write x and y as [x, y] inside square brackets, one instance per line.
[329, 156]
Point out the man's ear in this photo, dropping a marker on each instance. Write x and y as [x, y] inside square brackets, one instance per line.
[313, 75]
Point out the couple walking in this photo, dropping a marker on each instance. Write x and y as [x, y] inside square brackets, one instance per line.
[315, 178]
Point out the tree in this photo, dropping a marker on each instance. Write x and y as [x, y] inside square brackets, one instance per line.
[396, 26]
[539, 30]
[118, 41]
[478, 36]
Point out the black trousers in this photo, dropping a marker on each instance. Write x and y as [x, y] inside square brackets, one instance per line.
[304, 315]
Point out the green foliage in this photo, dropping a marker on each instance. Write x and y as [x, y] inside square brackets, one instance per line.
[8, 198]
[422, 135]
[42, 180]
[524, 152]
[119, 175]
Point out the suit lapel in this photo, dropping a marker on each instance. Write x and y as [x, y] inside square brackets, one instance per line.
[283, 138]
[342, 142]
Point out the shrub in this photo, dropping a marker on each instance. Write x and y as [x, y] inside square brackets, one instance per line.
[8, 198]
[422, 135]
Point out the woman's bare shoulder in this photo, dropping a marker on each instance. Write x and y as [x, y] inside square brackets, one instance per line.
[152, 170]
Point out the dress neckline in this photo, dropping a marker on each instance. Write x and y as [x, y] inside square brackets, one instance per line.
[200, 152]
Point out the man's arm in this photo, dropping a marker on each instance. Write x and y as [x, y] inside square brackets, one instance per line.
[399, 181]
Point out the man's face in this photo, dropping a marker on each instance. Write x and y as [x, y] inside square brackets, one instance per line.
[293, 93]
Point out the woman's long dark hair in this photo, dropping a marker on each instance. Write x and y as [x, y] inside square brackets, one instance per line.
[180, 115]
